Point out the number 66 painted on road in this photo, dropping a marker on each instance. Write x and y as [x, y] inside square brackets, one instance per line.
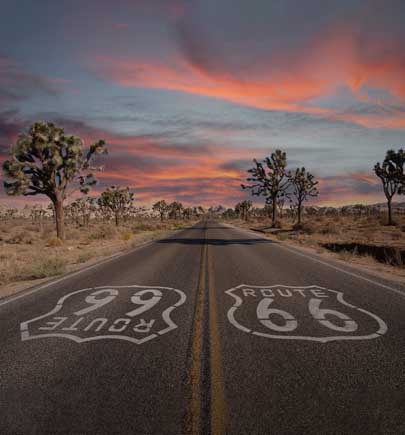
[264, 312]
[271, 312]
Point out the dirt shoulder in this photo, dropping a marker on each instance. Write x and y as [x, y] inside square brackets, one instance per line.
[31, 254]
[343, 232]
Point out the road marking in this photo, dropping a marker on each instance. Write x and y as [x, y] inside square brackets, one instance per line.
[93, 322]
[217, 409]
[324, 263]
[195, 375]
[217, 403]
[309, 311]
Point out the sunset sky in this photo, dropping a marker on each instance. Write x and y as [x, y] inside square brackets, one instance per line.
[187, 93]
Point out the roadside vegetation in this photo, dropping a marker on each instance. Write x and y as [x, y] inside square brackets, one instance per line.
[73, 229]
[31, 251]
[368, 234]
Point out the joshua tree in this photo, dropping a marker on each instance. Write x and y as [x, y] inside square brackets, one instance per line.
[238, 210]
[229, 213]
[175, 209]
[119, 201]
[46, 161]
[200, 209]
[303, 187]
[273, 183]
[242, 209]
[161, 207]
[187, 212]
[391, 174]
[37, 213]
[82, 208]
[10, 213]
[280, 205]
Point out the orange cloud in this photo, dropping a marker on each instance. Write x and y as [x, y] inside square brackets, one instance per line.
[330, 61]
[182, 76]
[197, 174]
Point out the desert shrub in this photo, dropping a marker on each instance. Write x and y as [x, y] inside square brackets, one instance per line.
[72, 234]
[22, 237]
[103, 232]
[143, 226]
[329, 228]
[85, 256]
[282, 236]
[304, 227]
[54, 242]
[45, 267]
[345, 255]
[126, 235]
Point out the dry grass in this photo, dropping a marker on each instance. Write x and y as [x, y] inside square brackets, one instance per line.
[320, 230]
[29, 253]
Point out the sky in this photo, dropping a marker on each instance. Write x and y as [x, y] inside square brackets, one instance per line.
[187, 92]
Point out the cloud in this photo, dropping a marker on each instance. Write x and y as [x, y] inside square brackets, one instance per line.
[285, 77]
[350, 188]
[10, 126]
[16, 84]
[196, 173]
[153, 167]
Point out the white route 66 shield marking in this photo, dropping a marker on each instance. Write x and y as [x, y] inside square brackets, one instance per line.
[309, 313]
[132, 313]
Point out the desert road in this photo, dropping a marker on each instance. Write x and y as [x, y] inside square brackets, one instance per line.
[212, 330]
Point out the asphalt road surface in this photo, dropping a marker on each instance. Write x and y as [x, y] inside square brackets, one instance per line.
[213, 330]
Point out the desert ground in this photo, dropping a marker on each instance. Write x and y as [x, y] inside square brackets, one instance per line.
[30, 252]
[363, 241]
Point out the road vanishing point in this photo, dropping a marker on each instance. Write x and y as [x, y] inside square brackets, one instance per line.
[213, 330]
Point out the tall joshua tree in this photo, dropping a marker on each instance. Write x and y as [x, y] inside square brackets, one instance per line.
[161, 207]
[303, 187]
[242, 209]
[46, 161]
[176, 209]
[118, 201]
[391, 174]
[269, 179]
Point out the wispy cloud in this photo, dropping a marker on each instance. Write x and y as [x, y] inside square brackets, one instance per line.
[17, 84]
[288, 81]
[204, 173]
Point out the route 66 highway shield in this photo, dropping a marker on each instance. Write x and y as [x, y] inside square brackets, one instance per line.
[132, 313]
[309, 313]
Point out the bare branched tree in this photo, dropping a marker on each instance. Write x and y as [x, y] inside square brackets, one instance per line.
[303, 187]
[118, 200]
[269, 179]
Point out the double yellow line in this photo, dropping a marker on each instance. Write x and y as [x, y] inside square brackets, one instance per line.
[217, 408]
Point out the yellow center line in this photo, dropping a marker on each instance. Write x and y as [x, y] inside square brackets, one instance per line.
[196, 350]
[218, 405]
[217, 396]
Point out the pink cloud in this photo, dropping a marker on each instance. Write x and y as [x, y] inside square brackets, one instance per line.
[289, 83]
